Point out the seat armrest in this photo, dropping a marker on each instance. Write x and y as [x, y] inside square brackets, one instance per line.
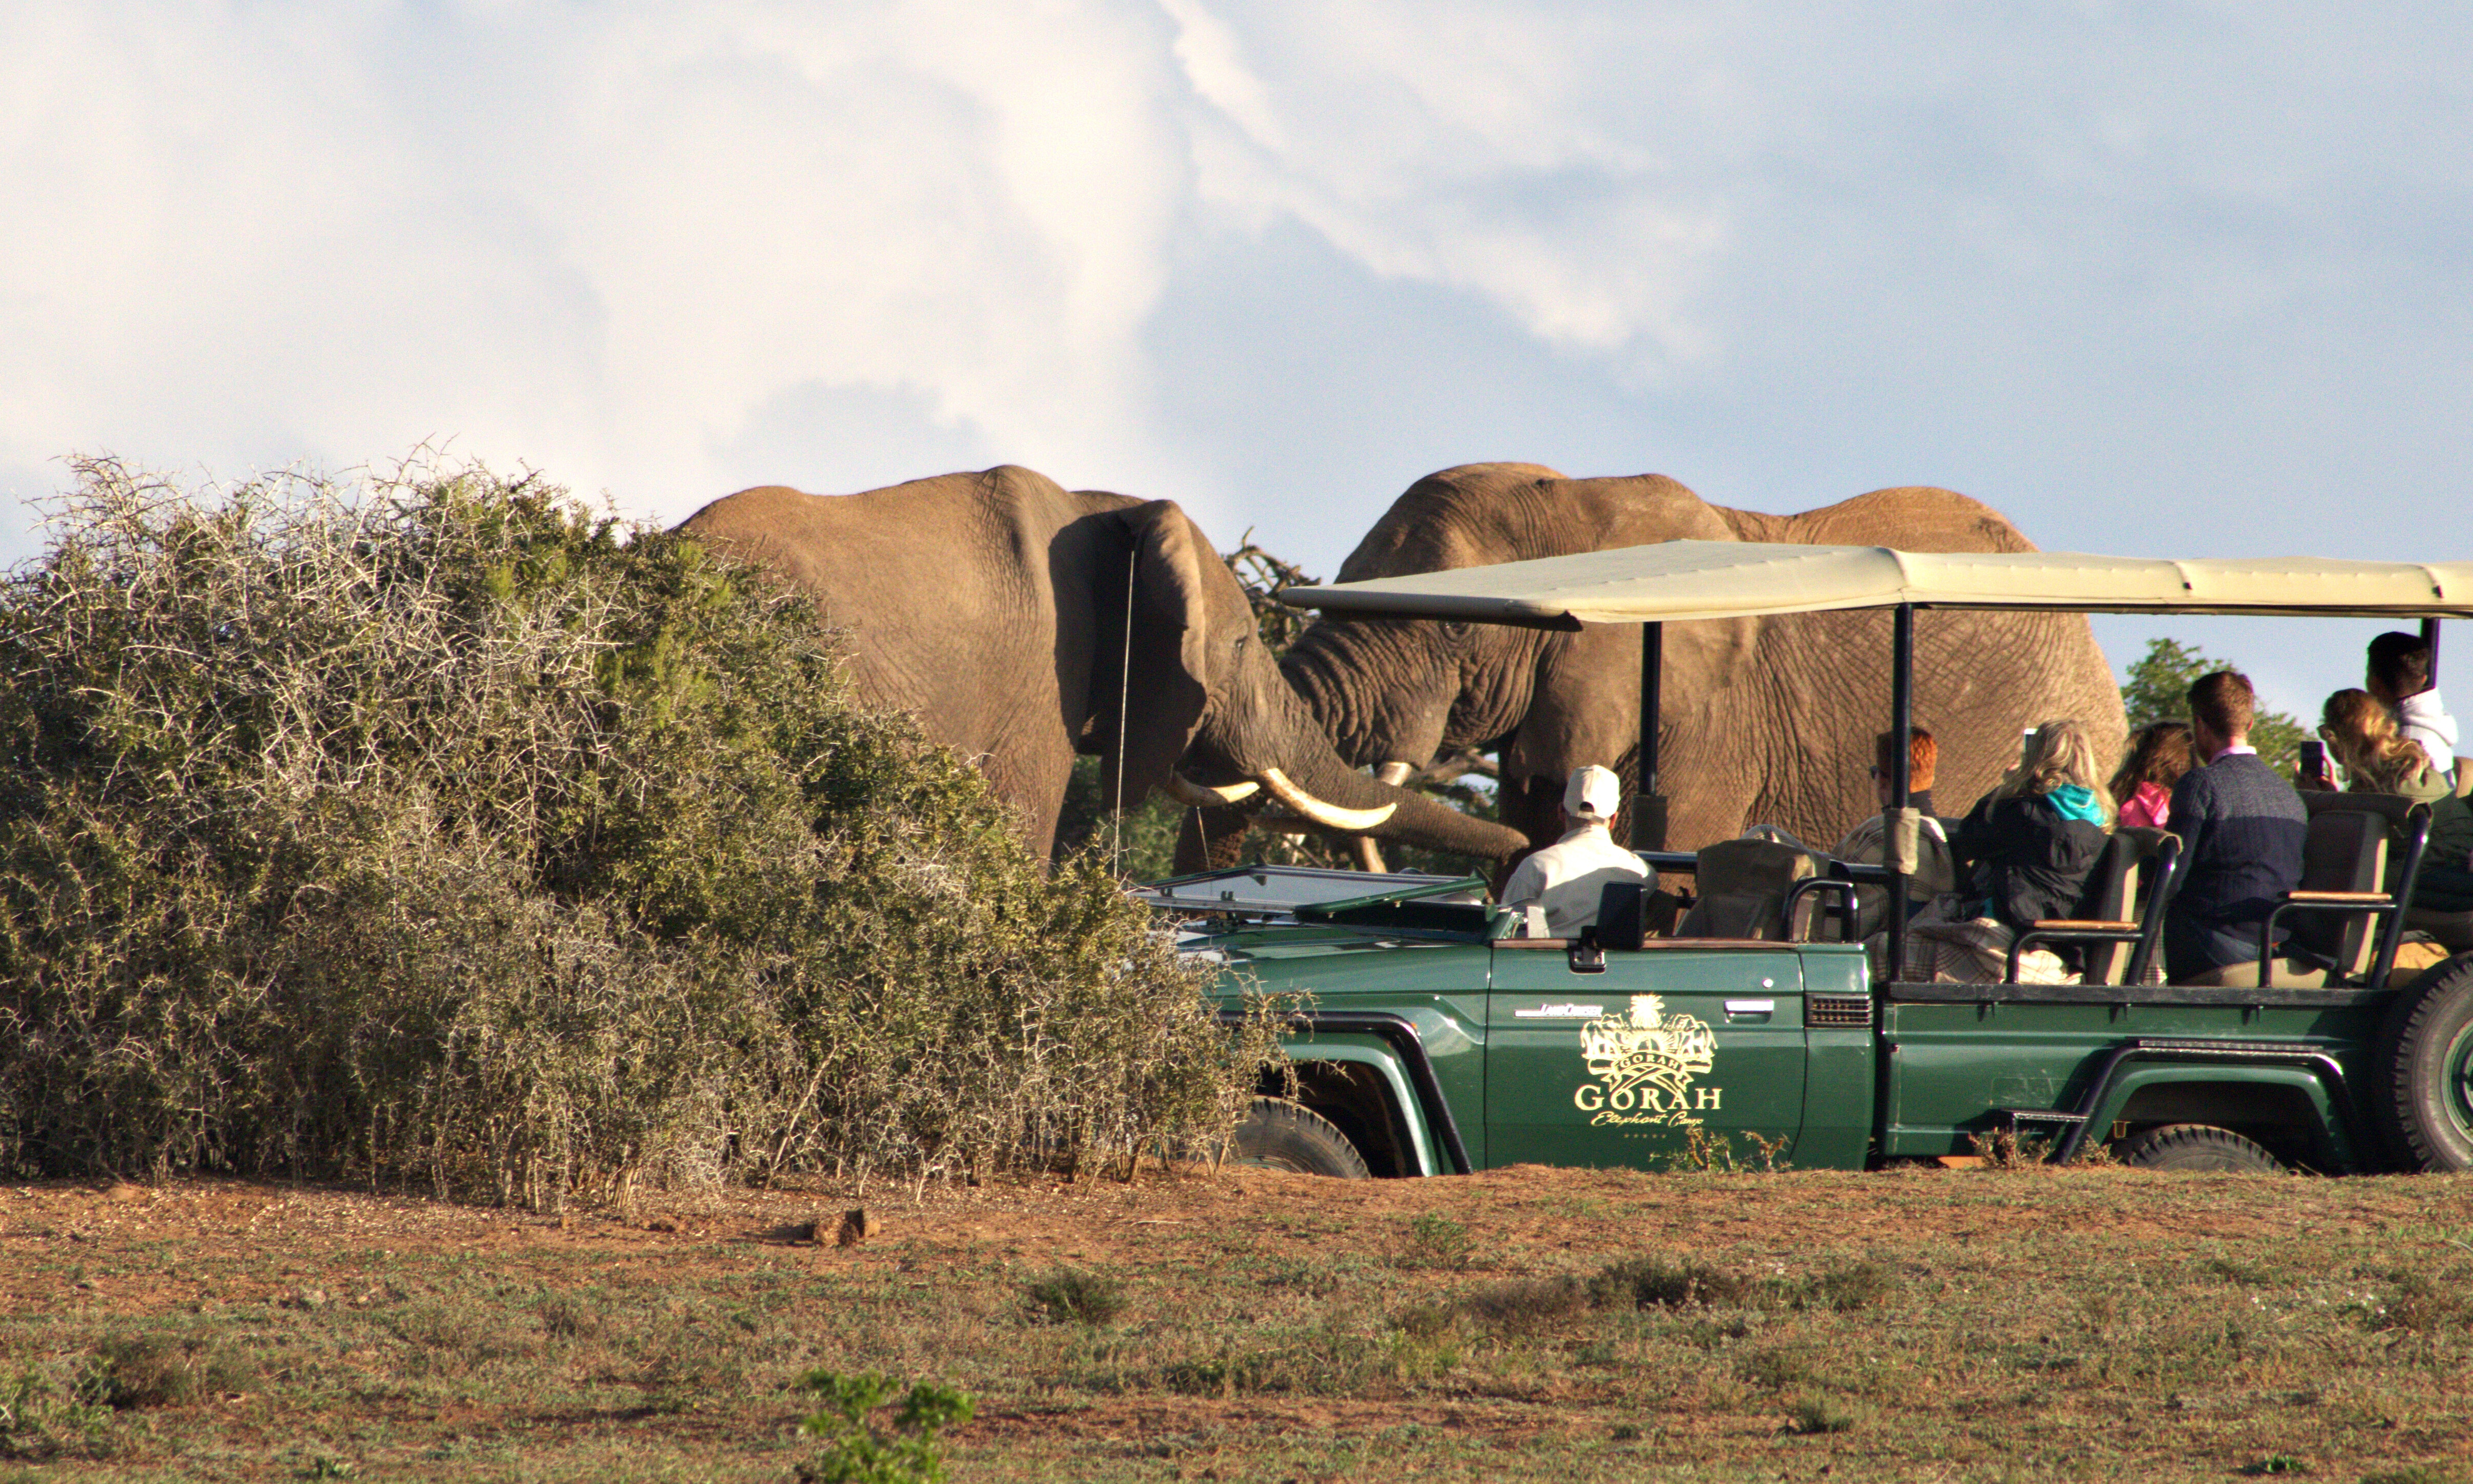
[2082, 926]
[2339, 898]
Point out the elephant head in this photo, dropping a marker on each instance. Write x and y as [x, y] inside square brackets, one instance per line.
[1202, 700]
[1762, 720]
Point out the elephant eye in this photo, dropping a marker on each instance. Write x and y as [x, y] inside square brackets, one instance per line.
[1243, 639]
[1455, 629]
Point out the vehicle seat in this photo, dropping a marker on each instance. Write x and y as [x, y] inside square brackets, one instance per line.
[2109, 924]
[1743, 885]
[2346, 851]
[2345, 871]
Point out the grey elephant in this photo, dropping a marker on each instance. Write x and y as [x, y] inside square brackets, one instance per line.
[1766, 721]
[994, 607]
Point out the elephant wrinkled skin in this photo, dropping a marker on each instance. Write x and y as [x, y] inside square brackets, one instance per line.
[1765, 720]
[992, 606]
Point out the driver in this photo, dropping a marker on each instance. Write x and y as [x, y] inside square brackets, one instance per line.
[1568, 877]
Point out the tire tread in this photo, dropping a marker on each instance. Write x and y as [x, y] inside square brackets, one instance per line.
[2231, 1152]
[2396, 1092]
[1273, 1119]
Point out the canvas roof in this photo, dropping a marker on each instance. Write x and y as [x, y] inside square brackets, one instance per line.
[1675, 581]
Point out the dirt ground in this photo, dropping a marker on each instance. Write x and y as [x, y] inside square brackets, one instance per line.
[401, 1334]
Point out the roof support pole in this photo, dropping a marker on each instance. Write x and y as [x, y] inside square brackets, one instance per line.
[1648, 804]
[1902, 720]
[2430, 636]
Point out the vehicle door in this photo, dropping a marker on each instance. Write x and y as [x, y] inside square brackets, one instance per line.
[1626, 1065]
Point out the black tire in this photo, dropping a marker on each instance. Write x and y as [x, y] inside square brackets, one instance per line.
[2199, 1147]
[1283, 1136]
[2421, 1074]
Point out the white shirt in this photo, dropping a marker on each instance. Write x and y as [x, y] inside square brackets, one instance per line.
[2424, 719]
[1568, 877]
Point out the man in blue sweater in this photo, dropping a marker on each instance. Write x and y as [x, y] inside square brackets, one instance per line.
[2241, 829]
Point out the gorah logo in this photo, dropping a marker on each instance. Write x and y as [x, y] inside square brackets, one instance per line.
[1645, 1065]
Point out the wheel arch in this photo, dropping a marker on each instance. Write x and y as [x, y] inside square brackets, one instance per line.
[1363, 1089]
[1388, 1047]
[2288, 1110]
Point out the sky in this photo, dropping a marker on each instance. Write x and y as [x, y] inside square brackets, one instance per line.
[2163, 278]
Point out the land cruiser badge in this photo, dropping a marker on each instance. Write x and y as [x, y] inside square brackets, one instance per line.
[1645, 1065]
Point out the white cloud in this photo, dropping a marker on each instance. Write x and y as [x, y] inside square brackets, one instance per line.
[1464, 144]
[2187, 276]
[599, 242]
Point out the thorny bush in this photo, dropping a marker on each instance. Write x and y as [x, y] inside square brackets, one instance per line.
[431, 828]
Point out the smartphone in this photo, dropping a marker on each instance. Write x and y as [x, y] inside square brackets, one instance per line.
[2026, 747]
[2314, 759]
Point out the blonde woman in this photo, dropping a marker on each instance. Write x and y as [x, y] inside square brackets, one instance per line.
[2024, 853]
[2362, 732]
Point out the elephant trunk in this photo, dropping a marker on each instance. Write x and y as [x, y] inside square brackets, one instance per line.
[1371, 687]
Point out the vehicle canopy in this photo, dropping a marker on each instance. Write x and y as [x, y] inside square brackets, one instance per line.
[1689, 580]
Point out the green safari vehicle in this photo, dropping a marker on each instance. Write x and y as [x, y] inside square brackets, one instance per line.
[1428, 1035]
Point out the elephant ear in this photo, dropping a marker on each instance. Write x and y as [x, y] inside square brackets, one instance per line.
[1166, 687]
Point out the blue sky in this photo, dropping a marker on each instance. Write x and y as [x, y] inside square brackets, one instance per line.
[2173, 279]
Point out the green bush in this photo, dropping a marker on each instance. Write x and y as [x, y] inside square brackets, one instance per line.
[858, 1451]
[434, 829]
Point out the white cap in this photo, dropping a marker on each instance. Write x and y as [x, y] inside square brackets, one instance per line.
[1593, 793]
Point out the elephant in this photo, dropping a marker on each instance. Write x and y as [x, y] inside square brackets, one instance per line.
[993, 608]
[1763, 720]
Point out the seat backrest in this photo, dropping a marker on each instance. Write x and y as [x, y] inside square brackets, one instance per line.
[2346, 851]
[2111, 887]
[1742, 886]
[2392, 808]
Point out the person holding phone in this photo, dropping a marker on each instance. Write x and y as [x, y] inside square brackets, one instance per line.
[2363, 737]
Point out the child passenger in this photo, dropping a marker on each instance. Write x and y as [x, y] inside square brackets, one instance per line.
[2143, 789]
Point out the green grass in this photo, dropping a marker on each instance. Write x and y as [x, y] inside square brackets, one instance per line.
[1966, 1327]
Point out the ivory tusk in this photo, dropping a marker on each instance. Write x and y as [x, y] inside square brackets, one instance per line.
[1330, 816]
[1394, 774]
[1206, 795]
[1368, 854]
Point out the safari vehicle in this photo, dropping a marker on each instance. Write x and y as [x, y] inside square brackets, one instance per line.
[1431, 1036]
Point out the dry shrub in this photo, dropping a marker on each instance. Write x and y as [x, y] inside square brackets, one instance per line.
[1074, 1296]
[432, 828]
[154, 1370]
[1525, 1307]
[1654, 1283]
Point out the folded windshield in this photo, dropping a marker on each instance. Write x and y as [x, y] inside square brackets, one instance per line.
[1284, 889]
